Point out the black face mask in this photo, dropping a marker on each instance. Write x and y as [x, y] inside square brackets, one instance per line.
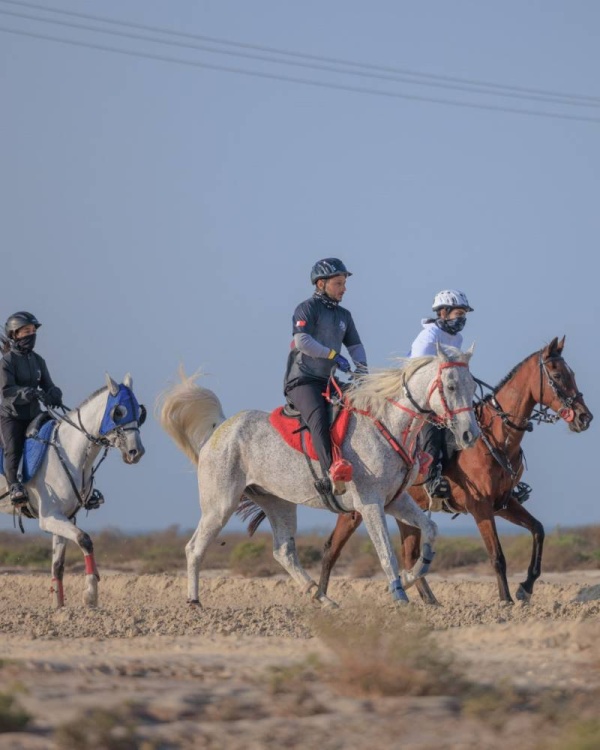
[25, 344]
[453, 326]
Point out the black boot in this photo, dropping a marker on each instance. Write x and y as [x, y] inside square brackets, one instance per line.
[438, 489]
[522, 492]
[18, 494]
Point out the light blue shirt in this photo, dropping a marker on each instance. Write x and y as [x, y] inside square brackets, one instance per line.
[425, 343]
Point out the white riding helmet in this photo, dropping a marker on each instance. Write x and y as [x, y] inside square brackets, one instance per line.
[451, 298]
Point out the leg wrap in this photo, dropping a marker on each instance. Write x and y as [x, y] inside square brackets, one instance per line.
[397, 591]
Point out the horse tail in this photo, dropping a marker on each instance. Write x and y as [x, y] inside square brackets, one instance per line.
[189, 414]
[248, 509]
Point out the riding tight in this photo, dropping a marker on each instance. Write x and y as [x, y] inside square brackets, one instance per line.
[13, 439]
[309, 401]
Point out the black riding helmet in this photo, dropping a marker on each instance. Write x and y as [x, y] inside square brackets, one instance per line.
[18, 320]
[327, 268]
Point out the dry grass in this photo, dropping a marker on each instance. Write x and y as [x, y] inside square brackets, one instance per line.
[385, 652]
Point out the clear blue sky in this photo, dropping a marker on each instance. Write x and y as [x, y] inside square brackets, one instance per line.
[155, 213]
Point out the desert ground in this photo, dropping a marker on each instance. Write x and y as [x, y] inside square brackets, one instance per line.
[257, 665]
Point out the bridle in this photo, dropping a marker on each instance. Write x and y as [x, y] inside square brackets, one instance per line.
[428, 415]
[540, 413]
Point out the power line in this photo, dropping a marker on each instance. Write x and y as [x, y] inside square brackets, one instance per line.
[568, 97]
[304, 81]
[313, 66]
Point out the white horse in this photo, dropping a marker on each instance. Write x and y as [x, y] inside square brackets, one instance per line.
[63, 484]
[246, 456]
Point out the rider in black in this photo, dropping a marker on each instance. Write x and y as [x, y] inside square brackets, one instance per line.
[320, 327]
[24, 379]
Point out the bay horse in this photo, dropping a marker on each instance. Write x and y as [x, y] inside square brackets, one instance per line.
[482, 477]
[64, 482]
[245, 456]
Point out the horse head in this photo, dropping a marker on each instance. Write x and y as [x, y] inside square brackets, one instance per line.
[558, 389]
[451, 394]
[123, 416]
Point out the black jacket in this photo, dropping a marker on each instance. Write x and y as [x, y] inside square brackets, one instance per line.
[17, 373]
[318, 329]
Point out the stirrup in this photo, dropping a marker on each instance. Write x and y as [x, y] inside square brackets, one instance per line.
[522, 492]
[438, 488]
[324, 488]
[94, 501]
[18, 494]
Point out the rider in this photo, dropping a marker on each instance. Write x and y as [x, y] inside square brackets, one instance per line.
[24, 379]
[451, 308]
[320, 327]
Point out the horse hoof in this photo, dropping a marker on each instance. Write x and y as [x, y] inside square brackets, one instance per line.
[523, 596]
[325, 602]
[194, 602]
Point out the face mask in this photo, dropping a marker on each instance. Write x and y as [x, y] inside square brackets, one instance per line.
[25, 344]
[453, 326]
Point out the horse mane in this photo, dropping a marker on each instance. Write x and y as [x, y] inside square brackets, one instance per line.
[92, 396]
[371, 392]
[511, 374]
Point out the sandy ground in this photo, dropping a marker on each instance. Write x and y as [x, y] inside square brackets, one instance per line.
[204, 678]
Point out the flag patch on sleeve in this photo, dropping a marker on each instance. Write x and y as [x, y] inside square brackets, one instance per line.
[300, 323]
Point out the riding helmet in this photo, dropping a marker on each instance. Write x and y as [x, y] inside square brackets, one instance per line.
[451, 298]
[327, 268]
[18, 320]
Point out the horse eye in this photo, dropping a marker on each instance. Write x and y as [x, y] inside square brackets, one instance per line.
[118, 413]
[451, 388]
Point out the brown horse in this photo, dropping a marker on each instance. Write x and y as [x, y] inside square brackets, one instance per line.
[482, 477]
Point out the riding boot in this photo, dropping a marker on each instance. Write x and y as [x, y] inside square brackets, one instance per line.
[521, 492]
[18, 494]
[437, 487]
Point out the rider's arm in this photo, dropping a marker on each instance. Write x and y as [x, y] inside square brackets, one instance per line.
[425, 344]
[354, 346]
[11, 391]
[304, 325]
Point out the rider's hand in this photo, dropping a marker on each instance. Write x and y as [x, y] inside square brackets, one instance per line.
[29, 394]
[342, 363]
[53, 397]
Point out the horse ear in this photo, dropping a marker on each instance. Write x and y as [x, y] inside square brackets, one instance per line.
[470, 351]
[128, 380]
[112, 386]
[550, 349]
[561, 345]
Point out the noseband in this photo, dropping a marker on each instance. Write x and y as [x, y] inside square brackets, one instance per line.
[437, 385]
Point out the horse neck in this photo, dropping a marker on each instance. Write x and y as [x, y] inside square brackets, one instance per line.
[77, 447]
[401, 417]
[516, 397]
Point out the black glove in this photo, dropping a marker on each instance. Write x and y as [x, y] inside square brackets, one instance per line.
[29, 394]
[53, 397]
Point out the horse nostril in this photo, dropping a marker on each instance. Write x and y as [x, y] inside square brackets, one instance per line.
[133, 453]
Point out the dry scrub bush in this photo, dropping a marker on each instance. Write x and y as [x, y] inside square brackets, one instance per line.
[365, 563]
[456, 552]
[386, 651]
[12, 717]
[253, 559]
[101, 729]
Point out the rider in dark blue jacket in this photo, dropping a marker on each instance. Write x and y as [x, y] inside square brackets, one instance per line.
[320, 328]
[24, 379]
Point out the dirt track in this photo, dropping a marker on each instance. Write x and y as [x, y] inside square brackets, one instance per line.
[204, 677]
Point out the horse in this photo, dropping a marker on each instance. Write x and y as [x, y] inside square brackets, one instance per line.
[482, 477]
[246, 456]
[64, 481]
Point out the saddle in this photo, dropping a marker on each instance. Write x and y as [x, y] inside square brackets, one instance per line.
[37, 436]
[288, 423]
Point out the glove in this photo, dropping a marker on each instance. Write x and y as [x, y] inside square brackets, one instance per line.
[53, 397]
[29, 394]
[342, 363]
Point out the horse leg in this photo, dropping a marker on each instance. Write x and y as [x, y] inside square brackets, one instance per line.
[59, 547]
[62, 527]
[411, 546]
[482, 512]
[516, 513]
[406, 511]
[345, 526]
[282, 516]
[374, 518]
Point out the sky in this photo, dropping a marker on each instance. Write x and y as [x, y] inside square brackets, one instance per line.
[158, 210]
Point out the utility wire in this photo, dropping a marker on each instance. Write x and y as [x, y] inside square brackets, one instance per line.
[567, 97]
[305, 81]
[314, 66]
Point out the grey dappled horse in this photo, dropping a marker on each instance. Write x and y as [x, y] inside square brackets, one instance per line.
[109, 418]
[245, 456]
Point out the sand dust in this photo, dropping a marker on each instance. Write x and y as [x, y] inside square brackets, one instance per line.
[204, 677]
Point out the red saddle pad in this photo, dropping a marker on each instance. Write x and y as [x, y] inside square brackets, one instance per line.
[286, 426]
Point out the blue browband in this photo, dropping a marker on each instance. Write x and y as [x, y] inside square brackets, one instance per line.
[113, 417]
